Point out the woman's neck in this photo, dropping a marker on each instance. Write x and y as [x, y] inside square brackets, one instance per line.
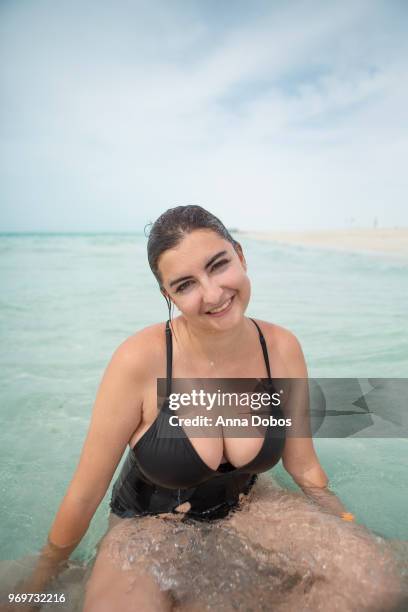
[212, 345]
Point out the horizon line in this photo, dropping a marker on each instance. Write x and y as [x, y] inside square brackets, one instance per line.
[232, 230]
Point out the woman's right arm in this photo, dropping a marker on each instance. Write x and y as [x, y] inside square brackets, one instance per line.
[116, 415]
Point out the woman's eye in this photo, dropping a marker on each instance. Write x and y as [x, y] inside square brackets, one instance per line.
[186, 284]
[183, 286]
[220, 263]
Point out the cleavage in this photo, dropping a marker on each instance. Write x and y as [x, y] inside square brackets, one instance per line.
[236, 451]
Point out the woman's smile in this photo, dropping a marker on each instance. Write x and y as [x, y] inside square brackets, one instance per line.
[222, 309]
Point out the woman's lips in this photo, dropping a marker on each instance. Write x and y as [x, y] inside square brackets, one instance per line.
[226, 307]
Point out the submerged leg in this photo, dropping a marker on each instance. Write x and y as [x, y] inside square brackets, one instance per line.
[199, 566]
[337, 561]
[119, 580]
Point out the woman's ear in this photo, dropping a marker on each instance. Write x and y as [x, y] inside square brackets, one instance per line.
[240, 253]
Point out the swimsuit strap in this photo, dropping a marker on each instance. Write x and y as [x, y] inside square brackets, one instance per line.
[169, 353]
[264, 348]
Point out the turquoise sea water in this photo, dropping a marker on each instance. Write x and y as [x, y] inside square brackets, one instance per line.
[66, 303]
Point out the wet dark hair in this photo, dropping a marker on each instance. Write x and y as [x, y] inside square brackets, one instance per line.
[171, 227]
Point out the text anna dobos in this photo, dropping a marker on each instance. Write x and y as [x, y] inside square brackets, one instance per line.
[209, 400]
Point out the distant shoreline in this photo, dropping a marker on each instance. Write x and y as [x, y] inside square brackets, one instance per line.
[387, 241]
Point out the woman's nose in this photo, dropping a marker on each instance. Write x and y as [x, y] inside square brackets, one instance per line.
[211, 294]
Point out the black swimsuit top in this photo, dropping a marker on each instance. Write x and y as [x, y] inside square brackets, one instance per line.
[171, 461]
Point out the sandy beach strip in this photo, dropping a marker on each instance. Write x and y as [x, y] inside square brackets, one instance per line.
[387, 241]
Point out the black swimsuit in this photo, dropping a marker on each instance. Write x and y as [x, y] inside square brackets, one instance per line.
[163, 471]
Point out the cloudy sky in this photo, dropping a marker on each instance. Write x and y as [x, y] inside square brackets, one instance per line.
[273, 115]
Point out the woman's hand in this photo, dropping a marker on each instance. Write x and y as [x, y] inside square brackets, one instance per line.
[38, 581]
[315, 484]
[327, 501]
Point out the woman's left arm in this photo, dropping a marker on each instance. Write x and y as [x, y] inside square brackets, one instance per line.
[299, 456]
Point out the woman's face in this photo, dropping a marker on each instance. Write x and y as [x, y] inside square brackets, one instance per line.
[206, 279]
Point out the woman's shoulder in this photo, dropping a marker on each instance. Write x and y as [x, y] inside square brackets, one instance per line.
[280, 338]
[283, 342]
[144, 348]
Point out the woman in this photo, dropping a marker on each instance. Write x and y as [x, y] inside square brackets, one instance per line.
[170, 486]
